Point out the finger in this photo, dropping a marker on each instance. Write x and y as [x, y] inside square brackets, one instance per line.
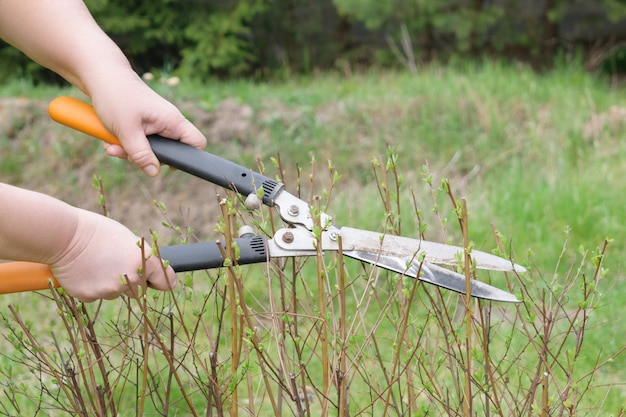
[158, 278]
[191, 135]
[130, 293]
[131, 286]
[115, 150]
[86, 299]
[139, 152]
[90, 296]
[184, 131]
[162, 282]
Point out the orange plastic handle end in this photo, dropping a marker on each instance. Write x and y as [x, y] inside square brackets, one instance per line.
[30, 276]
[80, 116]
[25, 276]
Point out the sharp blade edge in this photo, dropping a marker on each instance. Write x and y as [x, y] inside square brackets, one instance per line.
[435, 275]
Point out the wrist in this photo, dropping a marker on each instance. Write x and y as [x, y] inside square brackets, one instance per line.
[100, 82]
[79, 240]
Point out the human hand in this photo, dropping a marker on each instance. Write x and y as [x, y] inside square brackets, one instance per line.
[131, 111]
[103, 260]
[63, 36]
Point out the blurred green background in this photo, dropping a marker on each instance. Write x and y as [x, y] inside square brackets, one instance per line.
[519, 104]
[201, 39]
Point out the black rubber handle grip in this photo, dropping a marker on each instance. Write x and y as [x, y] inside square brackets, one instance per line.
[212, 168]
[207, 255]
[82, 117]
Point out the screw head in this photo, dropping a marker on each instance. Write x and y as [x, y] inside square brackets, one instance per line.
[288, 237]
[294, 210]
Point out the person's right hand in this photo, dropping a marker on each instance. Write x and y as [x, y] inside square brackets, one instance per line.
[103, 260]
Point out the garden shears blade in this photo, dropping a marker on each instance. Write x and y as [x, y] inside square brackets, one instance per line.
[410, 257]
[433, 274]
[289, 242]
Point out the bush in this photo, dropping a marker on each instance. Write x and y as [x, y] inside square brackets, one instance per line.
[314, 337]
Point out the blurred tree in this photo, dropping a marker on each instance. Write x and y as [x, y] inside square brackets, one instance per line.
[197, 37]
[596, 28]
[220, 42]
[435, 27]
[200, 37]
[300, 35]
[530, 30]
[207, 38]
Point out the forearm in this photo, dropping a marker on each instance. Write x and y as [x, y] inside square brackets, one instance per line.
[34, 227]
[62, 36]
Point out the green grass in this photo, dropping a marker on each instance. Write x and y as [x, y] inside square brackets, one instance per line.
[513, 143]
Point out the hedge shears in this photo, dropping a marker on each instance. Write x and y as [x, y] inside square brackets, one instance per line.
[301, 235]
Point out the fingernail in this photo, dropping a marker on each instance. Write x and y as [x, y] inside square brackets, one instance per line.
[151, 170]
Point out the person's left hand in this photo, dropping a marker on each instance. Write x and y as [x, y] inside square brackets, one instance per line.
[131, 111]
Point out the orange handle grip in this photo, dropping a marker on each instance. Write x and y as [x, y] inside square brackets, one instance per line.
[31, 276]
[80, 116]
[25, 276]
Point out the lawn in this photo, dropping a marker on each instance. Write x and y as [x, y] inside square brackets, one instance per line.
[537, 157]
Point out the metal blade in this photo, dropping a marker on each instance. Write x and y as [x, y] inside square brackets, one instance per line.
[435, 275]
[406, 248]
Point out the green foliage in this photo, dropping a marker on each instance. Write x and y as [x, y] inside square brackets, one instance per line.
[373, 13]
[615, 9]
[440, 23]
[220, 42]
[202, 39]
[445, 28]
[300, 35]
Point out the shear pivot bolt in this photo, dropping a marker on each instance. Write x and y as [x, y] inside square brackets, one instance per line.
[294, 210]
[288, 237]
[246, 231]
[252, 202]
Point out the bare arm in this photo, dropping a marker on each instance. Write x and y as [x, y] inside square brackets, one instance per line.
[34, 227]
[63, 36]
[90, 255]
